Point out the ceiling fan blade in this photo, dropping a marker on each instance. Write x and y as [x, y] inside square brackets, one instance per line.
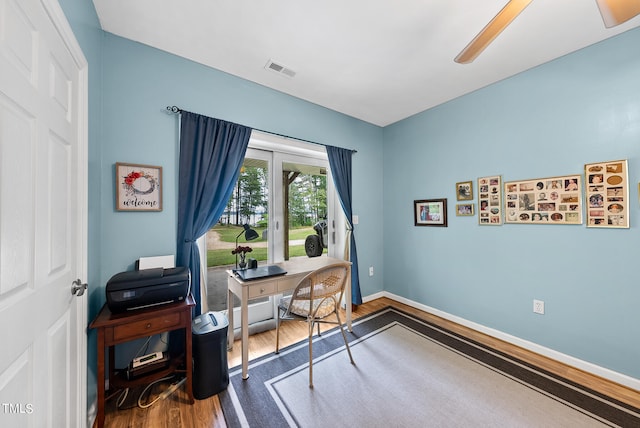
[491, 31]
[615, 12]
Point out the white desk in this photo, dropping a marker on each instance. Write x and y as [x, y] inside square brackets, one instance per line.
[296, 269]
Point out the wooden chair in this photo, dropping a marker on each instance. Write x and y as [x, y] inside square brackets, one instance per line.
[316, 297]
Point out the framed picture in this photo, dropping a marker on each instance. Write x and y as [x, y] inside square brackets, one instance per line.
[430, 212]
[464, 209]
[490, 201]
[138, 187]
[607, 193]
[553, 200]
[464, 191]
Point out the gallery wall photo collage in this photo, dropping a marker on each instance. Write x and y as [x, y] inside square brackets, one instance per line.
[600, 195]
[552, 200]
[607, 193]
[490, 200]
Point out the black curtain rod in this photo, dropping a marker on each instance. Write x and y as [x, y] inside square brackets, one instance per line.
[178, 110]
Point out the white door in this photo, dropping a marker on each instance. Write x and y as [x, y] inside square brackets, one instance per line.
[43, 92]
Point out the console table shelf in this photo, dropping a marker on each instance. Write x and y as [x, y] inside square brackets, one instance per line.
[119, 379]
[123, 327]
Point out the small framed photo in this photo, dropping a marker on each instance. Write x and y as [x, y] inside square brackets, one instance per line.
[138, 187]
[430, 212]
[464, 209]
[464, 191]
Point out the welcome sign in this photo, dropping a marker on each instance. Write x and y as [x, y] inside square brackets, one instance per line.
[138, 187]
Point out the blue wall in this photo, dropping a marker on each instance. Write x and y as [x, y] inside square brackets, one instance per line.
[139, 82]
[549, 121]
[130, 86]
[546, 122]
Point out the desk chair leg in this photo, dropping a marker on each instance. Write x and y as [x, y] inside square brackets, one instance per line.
[278, 332]
[311, 354]
[344, 336]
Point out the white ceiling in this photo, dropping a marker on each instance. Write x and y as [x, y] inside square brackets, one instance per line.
[376, 60]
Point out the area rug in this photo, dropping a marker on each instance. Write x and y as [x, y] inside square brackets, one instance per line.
[409, 373]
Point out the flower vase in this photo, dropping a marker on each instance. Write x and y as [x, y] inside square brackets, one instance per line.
[243, 262]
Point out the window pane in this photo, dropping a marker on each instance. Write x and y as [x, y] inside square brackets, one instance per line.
[247, 205]
[306, 213]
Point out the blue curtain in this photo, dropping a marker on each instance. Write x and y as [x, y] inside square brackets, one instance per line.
[340, 164]
[211, 154]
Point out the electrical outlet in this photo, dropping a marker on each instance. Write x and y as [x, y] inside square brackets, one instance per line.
[538, 307]
[370, 270]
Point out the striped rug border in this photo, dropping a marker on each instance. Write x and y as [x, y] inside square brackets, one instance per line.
[247, 403]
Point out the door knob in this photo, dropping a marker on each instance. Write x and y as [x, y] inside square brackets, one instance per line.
[78, 288]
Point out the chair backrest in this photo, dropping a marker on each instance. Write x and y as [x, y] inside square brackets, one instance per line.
[328, 281]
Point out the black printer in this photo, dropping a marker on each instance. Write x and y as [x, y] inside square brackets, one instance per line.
[147, 287]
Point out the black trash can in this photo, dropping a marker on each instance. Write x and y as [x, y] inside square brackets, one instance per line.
[209, 340]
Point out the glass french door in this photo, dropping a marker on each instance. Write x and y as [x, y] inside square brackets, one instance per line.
[258, 165]
[272, 171]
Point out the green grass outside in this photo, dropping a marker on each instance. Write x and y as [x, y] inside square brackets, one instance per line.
[229, 233]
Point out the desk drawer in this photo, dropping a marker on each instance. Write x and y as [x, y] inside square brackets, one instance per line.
[260, 290]
[146, 327]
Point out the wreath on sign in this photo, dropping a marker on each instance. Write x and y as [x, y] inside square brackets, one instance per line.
[139, 183]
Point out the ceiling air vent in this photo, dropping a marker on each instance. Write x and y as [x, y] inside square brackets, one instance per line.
[279, 68]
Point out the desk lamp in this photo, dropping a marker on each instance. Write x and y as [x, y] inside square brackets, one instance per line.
[249, 235]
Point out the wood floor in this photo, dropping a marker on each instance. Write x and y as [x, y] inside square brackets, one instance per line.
[176, 412]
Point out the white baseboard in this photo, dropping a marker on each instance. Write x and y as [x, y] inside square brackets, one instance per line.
[586, 366]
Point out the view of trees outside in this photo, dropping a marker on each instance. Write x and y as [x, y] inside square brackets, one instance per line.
[249, 201]
[307, 200]
[249, 204]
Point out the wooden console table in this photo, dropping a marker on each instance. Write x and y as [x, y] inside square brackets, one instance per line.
[126, 326]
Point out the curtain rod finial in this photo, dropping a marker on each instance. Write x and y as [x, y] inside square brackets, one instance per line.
[173, 109]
